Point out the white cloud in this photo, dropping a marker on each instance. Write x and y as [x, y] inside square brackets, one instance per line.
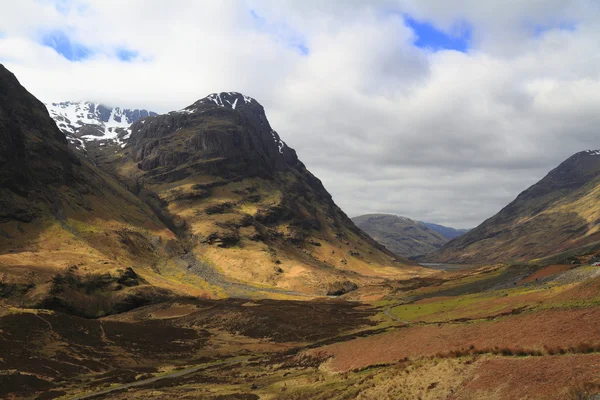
[445, 137]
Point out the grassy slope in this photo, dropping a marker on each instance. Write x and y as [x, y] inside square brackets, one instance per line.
[106, 230]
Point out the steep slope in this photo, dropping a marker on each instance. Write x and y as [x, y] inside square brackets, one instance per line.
[559, 213]
[223, 179]
[71, 237]
[401, 235]
[445, 231]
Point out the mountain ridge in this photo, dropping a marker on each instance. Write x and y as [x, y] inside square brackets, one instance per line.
[556, 214]
[403, 236]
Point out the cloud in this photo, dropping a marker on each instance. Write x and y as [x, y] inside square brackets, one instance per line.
[439, 111]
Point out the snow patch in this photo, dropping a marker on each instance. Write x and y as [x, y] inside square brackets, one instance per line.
[278, 142]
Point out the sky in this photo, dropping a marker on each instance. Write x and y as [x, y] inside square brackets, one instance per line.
[441, 111]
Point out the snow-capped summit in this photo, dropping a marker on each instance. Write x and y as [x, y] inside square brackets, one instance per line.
[224, 99]
[83, 122]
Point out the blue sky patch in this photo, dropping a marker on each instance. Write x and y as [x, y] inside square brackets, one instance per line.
[282, 33]
[62, 6]
[126, 55]
[430, 38]
[64, 46]
[540, 29]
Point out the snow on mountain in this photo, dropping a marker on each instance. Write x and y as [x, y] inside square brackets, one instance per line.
[83, 122]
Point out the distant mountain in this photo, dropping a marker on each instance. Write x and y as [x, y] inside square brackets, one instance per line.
[85, 122]
[401, 235]
[559, 213]
[445, 231]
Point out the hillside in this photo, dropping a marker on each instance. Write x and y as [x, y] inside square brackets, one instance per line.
[557, 214]
[401, 235]
[243, 202]
[72, 238]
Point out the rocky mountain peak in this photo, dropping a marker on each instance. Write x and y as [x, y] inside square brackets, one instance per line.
[249, 108]
[226, 125]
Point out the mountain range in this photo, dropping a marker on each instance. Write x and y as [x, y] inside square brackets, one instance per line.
[205, 201]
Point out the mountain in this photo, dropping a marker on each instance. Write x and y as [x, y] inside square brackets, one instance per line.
[559, 213]
[445, 231]
[87, 122]
[243, 202]
[71, 237]
[206, 201]
[401, 235]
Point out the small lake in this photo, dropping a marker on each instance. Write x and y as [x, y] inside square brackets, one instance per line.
[444, 267]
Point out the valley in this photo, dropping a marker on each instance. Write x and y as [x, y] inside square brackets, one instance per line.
[194, 256]
[447, 336]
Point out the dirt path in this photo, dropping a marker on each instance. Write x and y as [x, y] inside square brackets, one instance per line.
[388, 313]
[174, 374]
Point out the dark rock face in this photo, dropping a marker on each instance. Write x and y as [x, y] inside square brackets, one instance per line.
[224, 134]
[212, 128]
[33, 151]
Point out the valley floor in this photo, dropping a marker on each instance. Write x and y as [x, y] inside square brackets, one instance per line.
[493, 332]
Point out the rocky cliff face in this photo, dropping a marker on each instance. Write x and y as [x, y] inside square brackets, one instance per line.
[401, 235]
[557, 214]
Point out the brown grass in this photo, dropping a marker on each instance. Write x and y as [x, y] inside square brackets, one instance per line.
[551, 328]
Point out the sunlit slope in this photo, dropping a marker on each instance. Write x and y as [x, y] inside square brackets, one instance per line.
[60, 215]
